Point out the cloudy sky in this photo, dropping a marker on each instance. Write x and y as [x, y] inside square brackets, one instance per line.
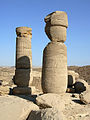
[31, 13]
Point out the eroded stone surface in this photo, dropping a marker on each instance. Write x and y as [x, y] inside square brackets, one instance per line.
[52, 100]
[56, 24]
[23, 31]
[46, 114]
[54, 73]
[21, 90]
[57, 18]
[54, 70]
[23, 59]
[85, 96]
[15, 108]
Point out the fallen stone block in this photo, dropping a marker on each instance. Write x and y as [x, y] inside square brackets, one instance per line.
[50, 100]
[21, 90]
[15, 108]
[45, 114]
[80, 85]
[85, 96]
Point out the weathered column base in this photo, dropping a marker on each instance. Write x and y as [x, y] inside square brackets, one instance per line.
[21, 91]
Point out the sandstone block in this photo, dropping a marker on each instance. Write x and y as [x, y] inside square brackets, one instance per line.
[56, 24]
[21, 90]
[23, 48]
[80, 85]
[56, 33]
[54, 71]
[51, 100]
[23, 31]
[23, 62]
[85, 96]
[54, 65]
[57, 18]
[15, 108]
[21, 53]
[22, 77]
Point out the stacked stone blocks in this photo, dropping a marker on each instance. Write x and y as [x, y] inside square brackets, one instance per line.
[23, 60]
[54, 70]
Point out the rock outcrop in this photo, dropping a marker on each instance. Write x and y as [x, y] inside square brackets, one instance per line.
[51, 100]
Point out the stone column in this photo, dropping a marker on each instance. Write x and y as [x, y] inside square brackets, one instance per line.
[23, 60]
[54, 68]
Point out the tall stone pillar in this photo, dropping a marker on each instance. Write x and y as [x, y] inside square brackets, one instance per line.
[23, 60]
[54, 68]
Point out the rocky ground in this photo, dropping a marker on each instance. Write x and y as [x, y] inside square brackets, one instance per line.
[68, 106]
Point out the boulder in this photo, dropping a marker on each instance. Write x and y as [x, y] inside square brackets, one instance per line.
[15, 108]
[21, 91]
[52, 100]
[45, 114]
[80, 85]
[57, 18]
[85, 96]
[54, 71]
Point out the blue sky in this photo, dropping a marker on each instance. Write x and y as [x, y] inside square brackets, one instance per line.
[31, 13]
